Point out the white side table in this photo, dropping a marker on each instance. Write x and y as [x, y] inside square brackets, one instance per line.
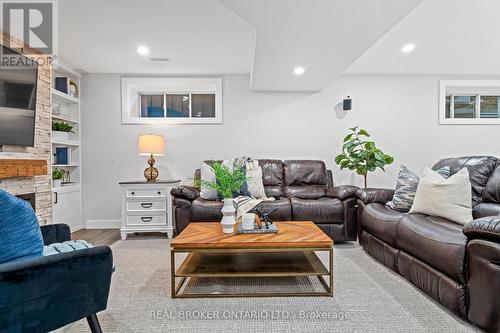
[147, 207]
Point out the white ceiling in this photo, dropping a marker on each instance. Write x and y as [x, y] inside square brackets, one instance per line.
[268, 38]
[325, 36]
[456, 37]
[198, 36]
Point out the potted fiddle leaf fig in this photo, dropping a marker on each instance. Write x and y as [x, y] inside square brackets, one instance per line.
[360, 154]
[227, 183]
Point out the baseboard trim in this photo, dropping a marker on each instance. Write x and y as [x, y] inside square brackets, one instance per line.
[103, 224]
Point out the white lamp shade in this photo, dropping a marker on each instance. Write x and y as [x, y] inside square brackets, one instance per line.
[151, 144]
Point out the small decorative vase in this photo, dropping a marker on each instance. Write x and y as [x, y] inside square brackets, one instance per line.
[228, 221]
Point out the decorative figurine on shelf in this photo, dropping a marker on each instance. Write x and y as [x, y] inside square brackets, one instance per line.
[264, 217]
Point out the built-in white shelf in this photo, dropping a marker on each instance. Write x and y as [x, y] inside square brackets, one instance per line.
[60, 97]
[61, 117]
[66, 188]
[67, 199]
[69, 143]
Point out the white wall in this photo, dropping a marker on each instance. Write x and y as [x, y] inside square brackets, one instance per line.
[401, 113]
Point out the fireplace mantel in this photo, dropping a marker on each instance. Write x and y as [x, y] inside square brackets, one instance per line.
[10, 168]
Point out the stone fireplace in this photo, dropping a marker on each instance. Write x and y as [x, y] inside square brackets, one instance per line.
[40, 186]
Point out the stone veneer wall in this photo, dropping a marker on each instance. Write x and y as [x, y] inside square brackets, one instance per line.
[40, 185]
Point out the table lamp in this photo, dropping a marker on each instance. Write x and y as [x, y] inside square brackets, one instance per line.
[151, 145]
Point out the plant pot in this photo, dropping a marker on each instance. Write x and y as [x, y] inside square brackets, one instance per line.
[57, 183]
[228, 221]
[60, 136]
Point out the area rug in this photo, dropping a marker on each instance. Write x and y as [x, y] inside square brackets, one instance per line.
[367, 298]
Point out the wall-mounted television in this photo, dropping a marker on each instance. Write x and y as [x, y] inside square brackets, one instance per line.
[18, 87]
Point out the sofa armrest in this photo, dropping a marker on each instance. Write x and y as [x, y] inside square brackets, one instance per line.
[342, 192]
[375, 195]
[485, 227]
[185, 192]
[55, 233]
[52, 291]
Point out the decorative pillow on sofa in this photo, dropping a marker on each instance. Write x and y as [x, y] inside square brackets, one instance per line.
[255, 183]
[448, 198]
[406, 188]
[20, 235]
[207, 175]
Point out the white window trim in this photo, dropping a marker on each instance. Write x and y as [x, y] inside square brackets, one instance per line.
[132, 87]
[443, 84]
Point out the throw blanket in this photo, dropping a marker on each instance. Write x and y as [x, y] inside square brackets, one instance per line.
[254, 185]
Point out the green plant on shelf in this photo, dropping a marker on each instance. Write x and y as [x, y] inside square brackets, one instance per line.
[61, 126]
[57, 174]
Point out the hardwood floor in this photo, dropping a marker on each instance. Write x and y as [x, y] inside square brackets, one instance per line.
[98, 236]
[109, 236]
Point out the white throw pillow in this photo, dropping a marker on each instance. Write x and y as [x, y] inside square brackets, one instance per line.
[254, 180]
[448, 198]
[207, 175]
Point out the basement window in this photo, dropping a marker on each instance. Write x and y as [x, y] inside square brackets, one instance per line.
[470, 102]
[171, 100]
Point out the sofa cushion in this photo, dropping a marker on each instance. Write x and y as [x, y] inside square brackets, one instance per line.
[20, 235]
[306, 179]
[381, 221]
[486, 209]
[436, 241]
[206, 210]
[283, 213]
[272, 177]
[322, 210]
[480, 170]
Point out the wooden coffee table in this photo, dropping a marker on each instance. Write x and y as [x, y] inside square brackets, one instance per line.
[213, 254]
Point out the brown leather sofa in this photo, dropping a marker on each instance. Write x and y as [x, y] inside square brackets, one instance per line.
[303, 190]
[458, 266]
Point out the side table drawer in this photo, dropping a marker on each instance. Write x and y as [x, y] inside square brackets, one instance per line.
[146, 193]
[145, 219]
[146, 205]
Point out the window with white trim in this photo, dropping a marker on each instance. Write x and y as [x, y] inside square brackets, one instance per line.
[171, 100]
[470, 102]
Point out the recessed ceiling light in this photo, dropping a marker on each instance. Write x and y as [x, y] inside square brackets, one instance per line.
[299, 70]
[407, 48]
[142, 50]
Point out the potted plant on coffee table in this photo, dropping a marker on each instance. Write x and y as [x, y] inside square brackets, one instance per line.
[227, 184]
[61, 130]
[361, 154]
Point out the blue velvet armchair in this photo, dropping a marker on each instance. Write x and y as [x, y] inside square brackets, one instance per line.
[45, 293]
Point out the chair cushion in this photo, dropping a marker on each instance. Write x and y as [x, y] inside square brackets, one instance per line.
[20, 235]
[492, 190]
[206, 210]
[283, 213]
[381, 221]
[436, 241]
[322, 210]
[67, 246]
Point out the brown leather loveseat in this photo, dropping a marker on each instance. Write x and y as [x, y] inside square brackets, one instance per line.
[303, 190]
[458, 266]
